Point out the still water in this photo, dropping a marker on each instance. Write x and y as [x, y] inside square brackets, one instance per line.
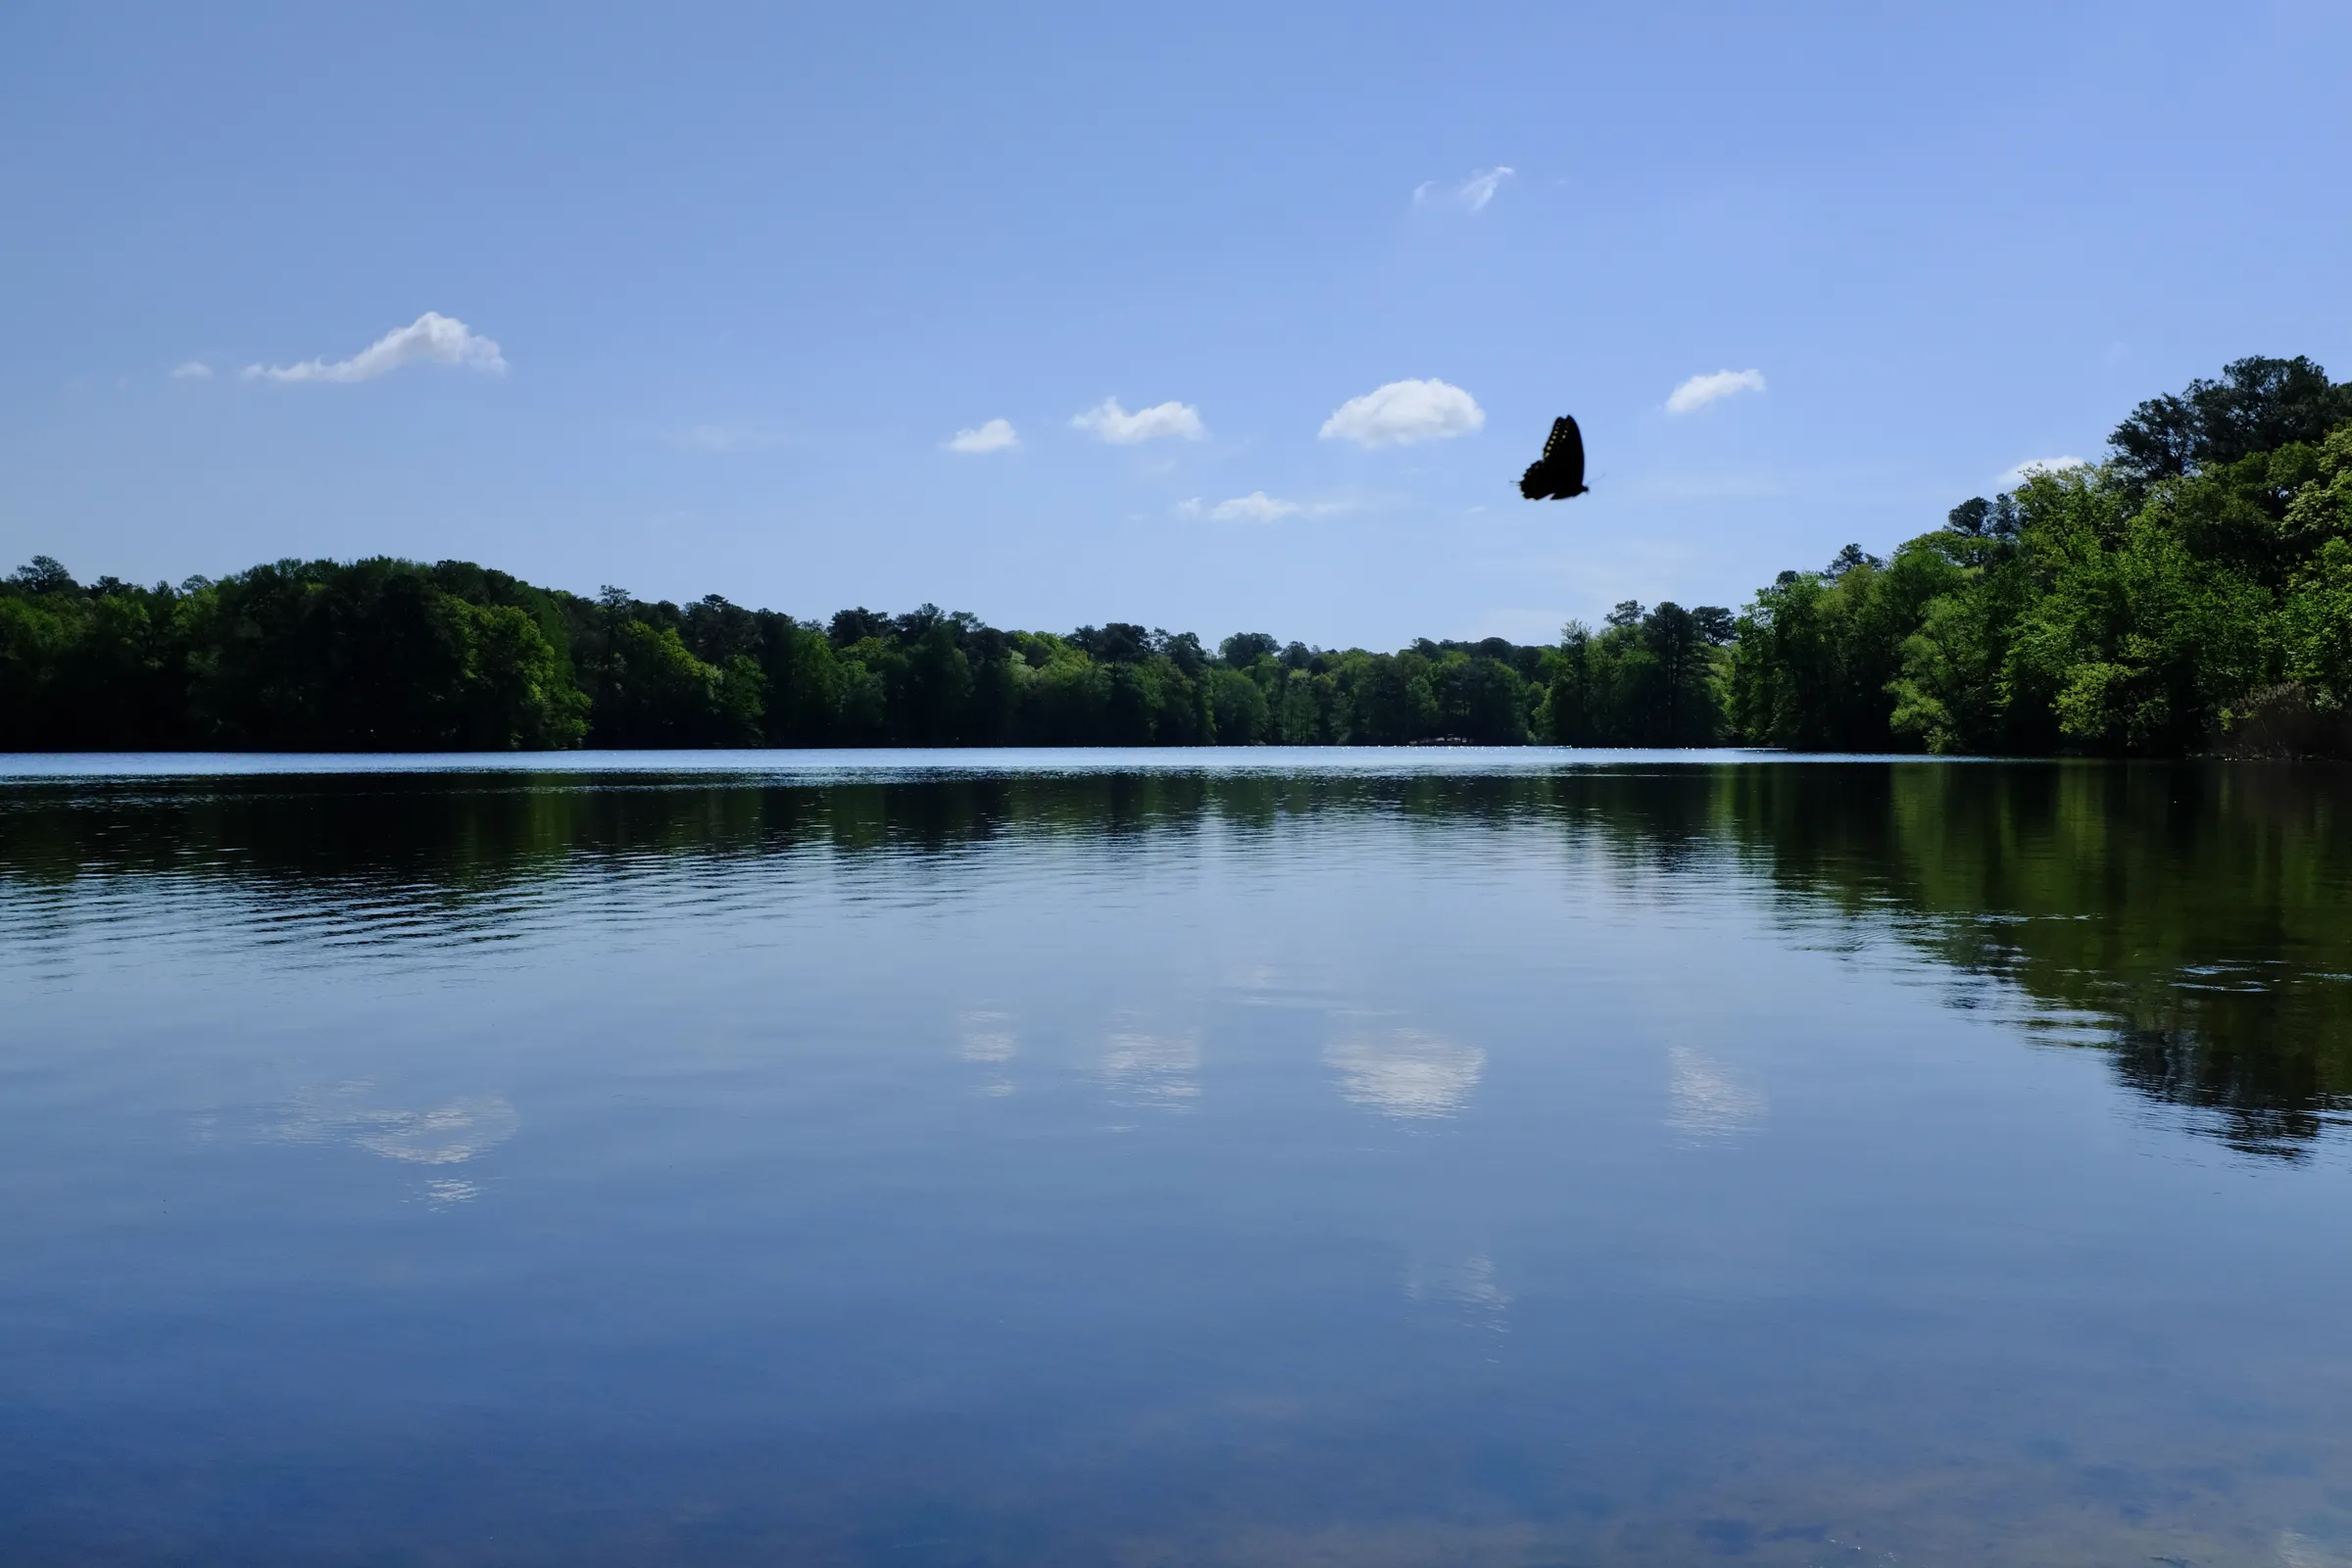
[1516, 1159]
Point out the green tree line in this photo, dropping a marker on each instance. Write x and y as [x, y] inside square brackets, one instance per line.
[2194, 593]
[386, 655]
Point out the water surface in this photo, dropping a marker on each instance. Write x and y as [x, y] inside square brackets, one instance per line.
[1519, 1158]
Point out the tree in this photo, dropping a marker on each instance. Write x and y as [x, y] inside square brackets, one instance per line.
[661, 695]
[932, 694]
[1816, 651]
[1239, 713]
[852, 627]
[1389, 702]
[1479, 700]
[2258, 405]
[1116, 642]
[1568, 710]
[518, 697]
[1847, 558]
[44, 574]
[1245, 648]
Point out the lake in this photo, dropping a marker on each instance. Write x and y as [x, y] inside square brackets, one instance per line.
[1525, 1158]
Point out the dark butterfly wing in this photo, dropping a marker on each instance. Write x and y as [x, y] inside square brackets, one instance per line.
[1560, 472]
[1564, 428]
[1564, 455]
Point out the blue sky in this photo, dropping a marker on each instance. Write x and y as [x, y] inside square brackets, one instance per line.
[748, 273]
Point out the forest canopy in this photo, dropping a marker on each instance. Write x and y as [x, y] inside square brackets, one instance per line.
[2192, 593]
[387, 654]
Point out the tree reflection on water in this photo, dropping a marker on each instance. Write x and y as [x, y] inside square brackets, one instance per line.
[2192, 920]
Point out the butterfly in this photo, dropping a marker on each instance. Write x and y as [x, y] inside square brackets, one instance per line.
[1560, 472]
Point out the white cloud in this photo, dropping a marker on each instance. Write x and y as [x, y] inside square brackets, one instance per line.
[193, 370]
[1470, 195]
[2033, 465]
[1114, 424]
[1255, 506]
[431, 339]
[1258, 506]
[1404, 412]
[995, 436]
[1699, 391]
[1702, 390]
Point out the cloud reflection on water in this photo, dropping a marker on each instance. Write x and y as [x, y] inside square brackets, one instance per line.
[1472, 1282]
[1707, 1102]
[2298, 1551]
[1472, 1285]
[986, 1038]
[1407, 1073]
[1152, 1069]
[449, 1134]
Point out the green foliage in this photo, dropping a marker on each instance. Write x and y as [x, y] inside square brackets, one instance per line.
[657, 693]
[519, 692]
[1816, 651]
[1655, 678]
[2258, 405]
[391, 654]
[1238, 710]
[371, 656]
[2190, 596]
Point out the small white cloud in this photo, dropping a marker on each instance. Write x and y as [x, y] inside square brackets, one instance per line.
[1469, 195]
[1255, 506]
[2032, 465]
[431, 339]
[1702, 390]
[193, 370]
[1258, 506]
[1480, 189]
[1109, 422]
[997, 435]
[1404, 412]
